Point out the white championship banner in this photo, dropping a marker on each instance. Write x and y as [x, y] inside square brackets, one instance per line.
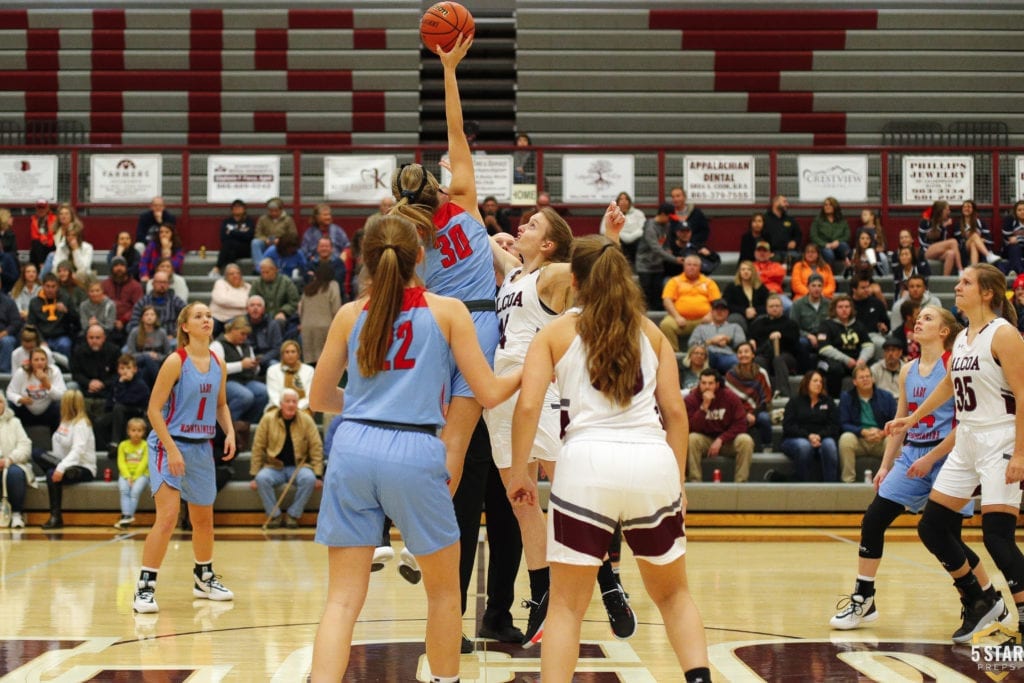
[358, 179]
[844, 177]
[596, 179]
[25, 179]
[253, 179]
[929, 179]
[719, 179]
[125, 178]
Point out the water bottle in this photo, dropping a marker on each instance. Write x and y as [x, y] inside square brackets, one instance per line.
[716, 476]
[202, 251]
[869, 476]
[108, 474]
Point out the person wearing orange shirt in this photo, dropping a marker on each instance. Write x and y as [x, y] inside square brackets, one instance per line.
[812, 263]
[687, 299]
[772, 273]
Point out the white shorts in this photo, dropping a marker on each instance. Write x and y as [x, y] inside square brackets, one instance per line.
[980, 456]
[601, 484]
[546, 444]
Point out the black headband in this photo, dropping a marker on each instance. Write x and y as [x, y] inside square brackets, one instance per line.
[409, 194]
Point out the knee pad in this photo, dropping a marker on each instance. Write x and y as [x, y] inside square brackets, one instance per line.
[939, 530]
[877, 518]
[972, 557]
[998, 529]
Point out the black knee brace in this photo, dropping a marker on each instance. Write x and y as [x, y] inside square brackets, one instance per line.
[939, 530]
[877, 518]
[998, 529]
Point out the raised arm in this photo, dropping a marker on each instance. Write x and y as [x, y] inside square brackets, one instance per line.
[463, 186]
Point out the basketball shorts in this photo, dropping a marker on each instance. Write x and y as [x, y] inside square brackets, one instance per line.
[546, 444]
[602, 483]
[912, 493]
[199, 483]
[486, 323]
[980, 456]
[376, 471]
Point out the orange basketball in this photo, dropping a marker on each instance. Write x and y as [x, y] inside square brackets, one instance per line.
[442, 24]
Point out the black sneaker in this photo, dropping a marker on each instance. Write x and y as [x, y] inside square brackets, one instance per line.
[502, 634]
[467, 645]
[620, 615]
[977, 615]
[535, 622]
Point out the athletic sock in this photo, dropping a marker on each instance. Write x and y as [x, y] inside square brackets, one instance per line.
[203, 568]
[701, 674]
[444, 679]
[606, 577]
[148, 575]
[969, 587]
[540, 581]
[865, 586]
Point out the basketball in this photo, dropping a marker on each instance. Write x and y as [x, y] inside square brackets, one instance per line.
[442, 24]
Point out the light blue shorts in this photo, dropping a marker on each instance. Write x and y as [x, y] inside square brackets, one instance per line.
[909, 492]
[199, 483]
[375, 471]
[486, 323]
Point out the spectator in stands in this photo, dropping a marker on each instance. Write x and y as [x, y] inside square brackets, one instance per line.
[934, 235]
[810, 313]
[15, 463]
[286, 439]
[831, 233]
[236, 233]
[777, 343]
[178, 284]
[782, 231]
[55, 316]
[75, 251]
[863, 412]
[771, 272]
[290, 373]
[1013, 238]
[321, 299]
[719, 336]
[94, 369]
[278, 292]
[1018, 300]
[718, 426]
[683, 244]
[753, 235]
[97, 309]
[352, 257]
[387, 202]
[864, 260]
[523, 167]
[41, 230]
[125, 248]
[323, 226]
[812, 264]
[495, 219]
[26, 288]
[271, 227]
[150, 221]
[30, 341]
[749, 381]
[543, 202]
[869, 310]
[70, 283]
[653, 255]
[974, 238]
[687, 301]
[885, 373]
[846, 343]
[693, 363]
[10, 328]
[167, 306]
[690, 214]
[287, 256]
[906, 267]
[230, 295]
[909, 311]
[165, 245]
[916, 291]
[265, 336]
[129, 400]
[67, 220]
[632, 229]
[133, 468]
[247, 397]
[35, 391]
[149, 344]
[810, 426]
[745, 295]
[325, 254]
[124, 291]
[8, 238]
[869, 223]
[73, 458]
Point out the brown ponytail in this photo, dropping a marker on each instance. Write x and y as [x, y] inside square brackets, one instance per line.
[415, 190]
[992, 279]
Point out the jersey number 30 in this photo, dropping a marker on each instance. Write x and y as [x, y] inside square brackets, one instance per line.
[454, 246]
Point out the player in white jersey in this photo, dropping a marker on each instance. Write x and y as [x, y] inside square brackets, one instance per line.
[622, 461]
[986, 379]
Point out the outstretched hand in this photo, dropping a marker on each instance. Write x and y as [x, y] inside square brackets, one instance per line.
[451, 59]
[614, 219]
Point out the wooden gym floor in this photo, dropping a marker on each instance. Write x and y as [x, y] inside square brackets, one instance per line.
[766, 595]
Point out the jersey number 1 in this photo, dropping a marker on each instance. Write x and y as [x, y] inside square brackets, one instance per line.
[202, 409]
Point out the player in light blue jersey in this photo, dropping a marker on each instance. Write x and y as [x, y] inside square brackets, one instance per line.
[386, 457]
[188, 397]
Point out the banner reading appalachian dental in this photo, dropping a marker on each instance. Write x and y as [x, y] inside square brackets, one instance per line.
[929, 179]
[719, 179]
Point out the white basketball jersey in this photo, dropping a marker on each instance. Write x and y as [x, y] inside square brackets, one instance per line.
[520, 316]
[980, 391]
[587, 412]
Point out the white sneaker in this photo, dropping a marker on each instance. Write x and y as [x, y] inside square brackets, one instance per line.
[992, 257]
[124, 522]
[145, 598]
[381, 556]
[854, 610]
[408, 567]
[210, 587]
[17, 521]
[214, 272]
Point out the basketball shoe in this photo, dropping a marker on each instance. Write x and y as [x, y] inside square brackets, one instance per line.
[208, 586]
[620, 615]
[854, 610]
[408, 567]
[977, 614]
[535, 622]
[145, 597]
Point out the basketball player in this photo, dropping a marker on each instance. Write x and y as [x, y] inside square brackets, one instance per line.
[986, 377]
[188, 396]
[905, 482]
[619, 383]
[386, 457]
[458, 259]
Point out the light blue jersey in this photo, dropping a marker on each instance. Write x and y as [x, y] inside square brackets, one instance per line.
[460, 265]
[934, 427]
